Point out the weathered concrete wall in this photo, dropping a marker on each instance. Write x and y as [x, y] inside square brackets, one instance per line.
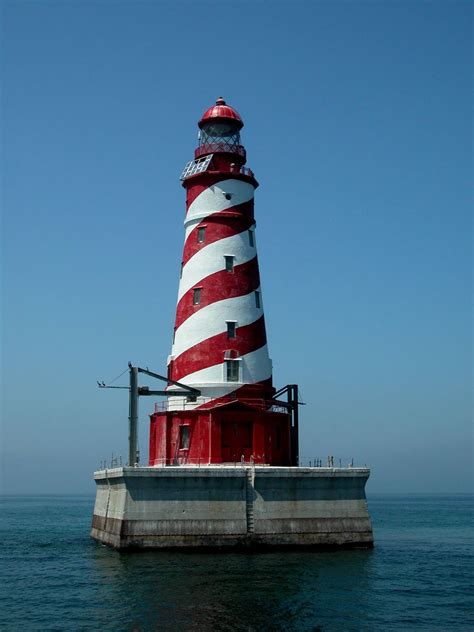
[227, 506]
[306, 505]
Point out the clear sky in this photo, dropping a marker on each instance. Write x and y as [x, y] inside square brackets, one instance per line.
[358, 127]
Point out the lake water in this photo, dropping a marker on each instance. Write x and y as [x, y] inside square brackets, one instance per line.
[419, 576]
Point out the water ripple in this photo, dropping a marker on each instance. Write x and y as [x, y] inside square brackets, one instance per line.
[418, 577]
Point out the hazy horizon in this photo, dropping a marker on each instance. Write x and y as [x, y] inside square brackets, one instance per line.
[358, 128]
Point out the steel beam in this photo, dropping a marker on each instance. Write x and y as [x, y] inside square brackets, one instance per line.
[133, 418]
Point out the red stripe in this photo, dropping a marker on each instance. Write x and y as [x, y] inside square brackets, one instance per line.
[218, 226]
[193, 192]
[211, 351]
[244, 279]
[250, 392]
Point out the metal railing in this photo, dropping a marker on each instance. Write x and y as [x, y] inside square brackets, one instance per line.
[183, 403]
[254, 460]
[115, 461]
[216, 148]
[183, 460]
[329, 462]
[246, 171]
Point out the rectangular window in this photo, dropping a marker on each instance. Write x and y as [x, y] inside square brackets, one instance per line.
[201, 234]
[184, 437]
[257, 299]
[196, 295]
[181, 271]
[232, 370]
[229, 263]
[231, 329]
[251, 238]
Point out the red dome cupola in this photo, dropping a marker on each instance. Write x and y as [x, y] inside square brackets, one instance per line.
[220, 127]
[221, 112]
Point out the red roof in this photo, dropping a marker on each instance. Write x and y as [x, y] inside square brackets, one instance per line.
[221, 111]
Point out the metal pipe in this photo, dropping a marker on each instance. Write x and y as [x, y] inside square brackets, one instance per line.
[292, 397]
[296, 438]
[133, 418]
[291, 411]
[187, 389]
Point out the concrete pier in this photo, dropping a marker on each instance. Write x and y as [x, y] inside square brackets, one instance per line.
[227, 506]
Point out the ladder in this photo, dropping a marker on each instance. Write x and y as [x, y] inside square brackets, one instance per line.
[249, 497]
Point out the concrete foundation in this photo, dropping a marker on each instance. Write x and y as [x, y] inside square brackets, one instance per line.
[227, 506]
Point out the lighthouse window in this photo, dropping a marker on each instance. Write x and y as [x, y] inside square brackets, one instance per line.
[196, 295]
[257, 299]
[229, 263]
[251, 239]
[201, 234]
[232, 370]
[231, 329]
[184, 437]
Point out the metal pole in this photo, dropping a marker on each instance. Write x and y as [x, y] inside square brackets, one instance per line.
[133, 418]
[292, 398]
[292, 438]
[296, 424]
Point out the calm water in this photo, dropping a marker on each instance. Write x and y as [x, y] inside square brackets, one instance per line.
[419, 576]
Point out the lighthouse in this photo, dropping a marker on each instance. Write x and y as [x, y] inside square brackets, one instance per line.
[219, 342]
[223, 468]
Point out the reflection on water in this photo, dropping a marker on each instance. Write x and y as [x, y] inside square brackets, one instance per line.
[237, 591]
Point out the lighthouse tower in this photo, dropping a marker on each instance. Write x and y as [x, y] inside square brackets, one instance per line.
[219, 341]
[223, 465]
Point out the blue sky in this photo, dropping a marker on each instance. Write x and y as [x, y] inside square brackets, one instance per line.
[358, 127]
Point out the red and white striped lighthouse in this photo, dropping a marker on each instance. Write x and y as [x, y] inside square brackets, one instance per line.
[220, 407]
[219, 343]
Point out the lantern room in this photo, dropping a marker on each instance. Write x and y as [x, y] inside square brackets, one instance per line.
[219, 131]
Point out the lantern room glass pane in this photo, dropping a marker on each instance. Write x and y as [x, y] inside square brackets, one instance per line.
[220, 135]
[225, 129]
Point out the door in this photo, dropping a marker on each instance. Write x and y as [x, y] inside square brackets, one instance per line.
[236, 440]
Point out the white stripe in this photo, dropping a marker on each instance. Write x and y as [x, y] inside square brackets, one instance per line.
[213, 200]
[211, 321]
[211, 259]
[256, 367]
